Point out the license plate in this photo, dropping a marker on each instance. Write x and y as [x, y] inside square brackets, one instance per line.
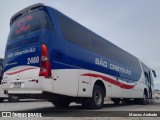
[17, 84]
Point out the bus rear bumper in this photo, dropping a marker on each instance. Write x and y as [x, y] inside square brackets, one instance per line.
[27, 86]
[22, 91]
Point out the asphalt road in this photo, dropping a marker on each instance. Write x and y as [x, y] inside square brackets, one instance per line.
[75, 110]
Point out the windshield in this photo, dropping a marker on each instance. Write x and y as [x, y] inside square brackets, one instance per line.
[30, 23]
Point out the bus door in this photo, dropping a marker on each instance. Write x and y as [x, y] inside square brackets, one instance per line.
[150, 86]
[1, 72]
[151, 83]
[148, 83]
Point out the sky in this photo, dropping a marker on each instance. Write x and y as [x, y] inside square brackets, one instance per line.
[133, 25]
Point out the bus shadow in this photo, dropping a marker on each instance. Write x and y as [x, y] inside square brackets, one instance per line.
[77, 107]
[25, 100]
[78, 111]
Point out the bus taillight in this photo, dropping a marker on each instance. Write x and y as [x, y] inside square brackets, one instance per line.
[45, 67]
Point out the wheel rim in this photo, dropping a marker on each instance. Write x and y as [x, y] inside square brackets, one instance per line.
[98, 97]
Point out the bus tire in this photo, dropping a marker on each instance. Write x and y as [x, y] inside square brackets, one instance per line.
[97, 99]
[143, 101]
[61, 103]
[13, 98]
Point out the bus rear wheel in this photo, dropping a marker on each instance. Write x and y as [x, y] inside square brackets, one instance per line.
[143, 100]
[97, 99]
[61, 103]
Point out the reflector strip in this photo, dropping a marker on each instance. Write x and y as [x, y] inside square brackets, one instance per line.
[12, 73]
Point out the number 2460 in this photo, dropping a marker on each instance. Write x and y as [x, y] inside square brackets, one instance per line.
[33, 60]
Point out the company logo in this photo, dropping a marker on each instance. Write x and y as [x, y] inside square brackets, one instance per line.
[22, 25]
[104, 63]
[6, 114]
[101, 62]
[17, 114]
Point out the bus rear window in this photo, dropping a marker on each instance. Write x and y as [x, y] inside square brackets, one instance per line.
[29, 23]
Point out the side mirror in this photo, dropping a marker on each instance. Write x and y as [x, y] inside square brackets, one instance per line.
[154, 73]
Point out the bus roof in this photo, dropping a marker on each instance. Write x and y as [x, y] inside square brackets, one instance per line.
[25, 10]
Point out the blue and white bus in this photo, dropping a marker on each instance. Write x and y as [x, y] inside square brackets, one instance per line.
[50, 56]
